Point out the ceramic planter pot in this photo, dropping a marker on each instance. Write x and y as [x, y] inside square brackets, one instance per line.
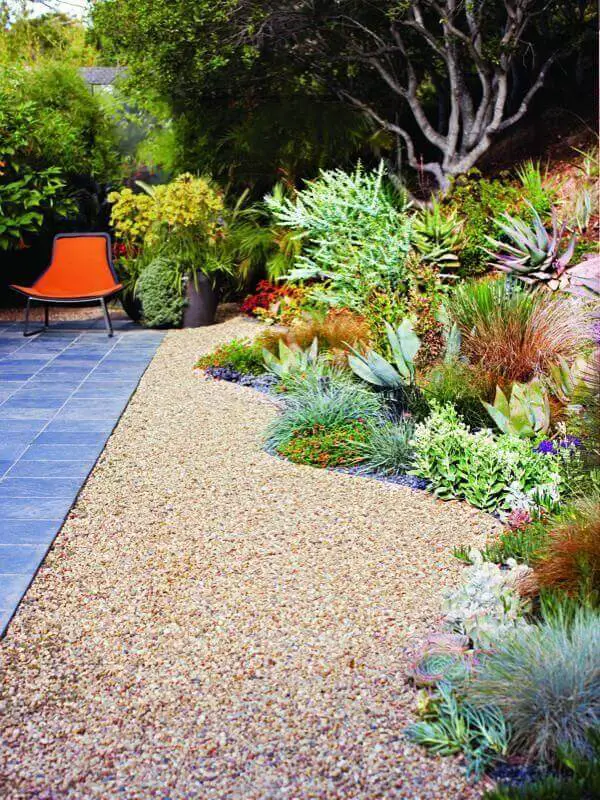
[202, 301]
[131, 305]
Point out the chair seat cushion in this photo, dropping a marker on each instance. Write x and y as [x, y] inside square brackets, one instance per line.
[49, 295]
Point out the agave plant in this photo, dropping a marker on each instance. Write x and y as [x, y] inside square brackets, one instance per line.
[377, 370]
[533, 254]
[438, 238]
[527, 413]
[564, 379]
[291, 359]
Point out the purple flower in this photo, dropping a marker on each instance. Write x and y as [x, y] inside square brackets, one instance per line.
[545, 446]
[570, 441]
[596, 332]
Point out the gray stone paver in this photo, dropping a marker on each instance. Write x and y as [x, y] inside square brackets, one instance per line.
[61, 394]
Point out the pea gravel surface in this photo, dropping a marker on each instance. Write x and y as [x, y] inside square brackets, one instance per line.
[213, 622]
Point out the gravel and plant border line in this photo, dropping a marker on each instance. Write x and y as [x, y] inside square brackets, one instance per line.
[265, 384]
[212, 622]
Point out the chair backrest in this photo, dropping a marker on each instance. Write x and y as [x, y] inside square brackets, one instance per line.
[81, 264]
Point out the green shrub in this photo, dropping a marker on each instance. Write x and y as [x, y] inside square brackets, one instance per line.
[239, 354]
[481, 468]
[478, 202]
[49, 118]
[387, 449]
[336, 446]
[462, 386]
[355, 237]
[324, 403]
[162, 303]
[546, 681]
[51, 129]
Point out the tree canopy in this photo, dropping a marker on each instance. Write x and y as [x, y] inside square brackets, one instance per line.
[442, 77]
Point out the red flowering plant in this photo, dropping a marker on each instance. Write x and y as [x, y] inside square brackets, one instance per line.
[272, 301]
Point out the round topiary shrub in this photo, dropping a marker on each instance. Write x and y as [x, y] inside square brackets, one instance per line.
[162, 303]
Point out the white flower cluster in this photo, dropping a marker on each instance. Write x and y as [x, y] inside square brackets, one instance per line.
[544, 496]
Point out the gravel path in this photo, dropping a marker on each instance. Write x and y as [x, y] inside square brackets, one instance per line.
[213, 622]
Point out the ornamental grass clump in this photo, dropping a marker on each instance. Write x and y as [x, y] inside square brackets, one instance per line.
[570, 560]
[335, 331]
[387, 449]
[323, 403]
[515, 335]
[546, 681]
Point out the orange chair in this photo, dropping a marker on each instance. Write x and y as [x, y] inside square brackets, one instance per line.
[80, 270]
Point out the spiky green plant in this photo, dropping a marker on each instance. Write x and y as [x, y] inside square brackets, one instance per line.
[526, 413]
[291, 359]
[531, 253]
[535, 186]
[388, 449]
[375, 369]
[259, 246]
[453, 724]
[546, 680]
[438, 237]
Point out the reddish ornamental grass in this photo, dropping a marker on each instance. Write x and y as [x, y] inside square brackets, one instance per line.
[515, 337]
[571, 559]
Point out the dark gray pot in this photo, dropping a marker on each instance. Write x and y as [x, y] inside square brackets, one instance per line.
[202, 301]
[131, 305]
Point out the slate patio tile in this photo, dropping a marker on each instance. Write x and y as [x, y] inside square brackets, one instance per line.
[12, 588]
[40, 532]
[6, 616]
[19, 377]
[14, 425]
[20, 558]
[45, 508]
[16, 364]
[9, 412]
[10, 385]
[58, 487]
[11, 452]
[83, 425]
[15, 438]
[51, 469]
[88, 409]
[61, 452]
[73, 437]
[45, 400]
